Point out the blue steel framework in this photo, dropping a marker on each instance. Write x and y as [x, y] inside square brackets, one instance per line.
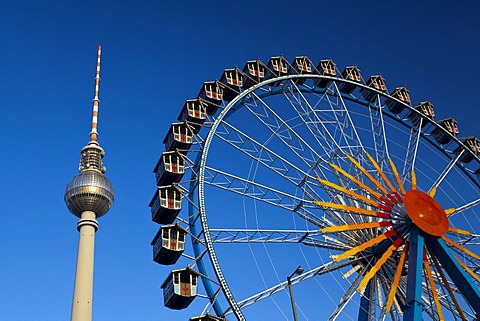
[198, 220]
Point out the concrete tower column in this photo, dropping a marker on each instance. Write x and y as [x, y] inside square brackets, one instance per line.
[83, 290]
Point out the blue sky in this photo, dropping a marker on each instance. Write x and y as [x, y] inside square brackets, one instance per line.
[157, 54]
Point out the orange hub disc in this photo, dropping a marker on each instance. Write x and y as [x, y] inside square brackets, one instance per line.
[426, 213]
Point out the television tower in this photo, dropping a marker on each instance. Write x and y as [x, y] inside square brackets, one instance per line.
[89, 195]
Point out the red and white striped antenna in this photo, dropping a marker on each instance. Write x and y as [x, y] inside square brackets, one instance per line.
[96, 101]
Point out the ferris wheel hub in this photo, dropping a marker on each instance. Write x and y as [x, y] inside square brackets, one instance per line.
[426, 213]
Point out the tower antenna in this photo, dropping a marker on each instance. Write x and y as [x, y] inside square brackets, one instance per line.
[96, 101]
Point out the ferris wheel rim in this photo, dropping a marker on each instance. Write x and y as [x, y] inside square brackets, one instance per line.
[202, 157]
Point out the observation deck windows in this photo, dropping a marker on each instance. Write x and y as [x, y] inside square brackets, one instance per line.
[327, 68]
[207, 317]
[254, 73]
[376, 82]
[450, 125]
[166, 204]
[233, 81]
[169, 244]
[302, 65]
[170, 168]
[473, 144]
[351, 73]
[426, 109]
[91, 158]
[402, 94]
[180, 288]
[179, 137]
[194, 111]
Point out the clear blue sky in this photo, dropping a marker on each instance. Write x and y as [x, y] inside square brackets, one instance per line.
[156, 54]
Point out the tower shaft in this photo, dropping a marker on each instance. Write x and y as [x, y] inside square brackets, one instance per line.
[83, 290]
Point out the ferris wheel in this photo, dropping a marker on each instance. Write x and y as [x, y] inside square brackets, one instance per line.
[281, 165]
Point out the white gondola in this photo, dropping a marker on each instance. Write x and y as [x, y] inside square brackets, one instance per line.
[327, 68]
[402, 94]
[450, 125]
[212, 94]
[170, 168]
[232, 79]
[180, 288]
[166, 204]
[426, 109]
[179, 137]
[254, 71]
[473, 144]
[376, 82]
[302, 65]
[351, 73]
[194, 112]
[169, 244]
[276, 67]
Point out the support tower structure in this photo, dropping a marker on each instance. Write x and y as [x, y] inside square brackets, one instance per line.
[89, 195]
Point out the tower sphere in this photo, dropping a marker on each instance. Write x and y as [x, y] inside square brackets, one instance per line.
[89, 191]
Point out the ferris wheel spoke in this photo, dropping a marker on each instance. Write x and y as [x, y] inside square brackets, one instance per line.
[445, 172]
[285, 133]
[443, 281]
[397, 177]
[294, 142]
[261, 153]
[370, 177]
[379, 135]
[348, 295]
[266, 194]
[335, 125]
[260, 236]
[463, 237]
[347, 193]
[432, 288]
[319, 136]
[306, 237]
[467, 206]
[336, 114]
[349, 121]
[328, 243]
[382, 260]
[412, 151]
[212, 301]
[323, 269]
[290, 139]
[469, 269]
[445, 301]
[460, 248]
[396, 279]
